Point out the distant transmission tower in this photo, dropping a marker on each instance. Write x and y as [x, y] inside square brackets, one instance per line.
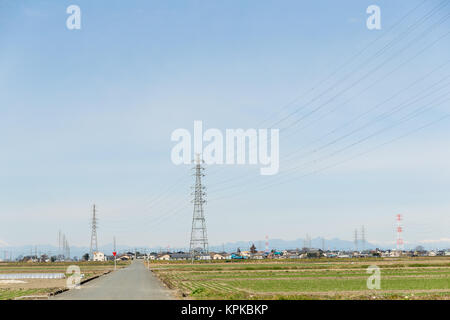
[267, 244]
[67, 251]
[94, 246]
[59, 242]
[199, 237]
[63, 245]
[399, 232]
[363, 238]
[356, 239]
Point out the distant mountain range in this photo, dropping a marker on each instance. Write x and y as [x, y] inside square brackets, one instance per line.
[279, 244]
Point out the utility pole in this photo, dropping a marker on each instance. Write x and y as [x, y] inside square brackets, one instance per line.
[114, 255]
[199, 237]
[94, 246]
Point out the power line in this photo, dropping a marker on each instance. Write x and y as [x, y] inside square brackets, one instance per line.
[347, 62]
[420, 52]
[353, 57]
[412, 27]
[366, 62]
[365, 76]
[316, 171]
[416, 98]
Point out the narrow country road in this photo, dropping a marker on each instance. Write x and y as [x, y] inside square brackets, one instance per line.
[134, 282]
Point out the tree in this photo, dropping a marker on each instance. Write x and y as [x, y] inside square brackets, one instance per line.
[86, 256]
[238, 250]
[253, 249]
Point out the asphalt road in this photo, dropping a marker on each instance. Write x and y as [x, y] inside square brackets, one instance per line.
[134, 282]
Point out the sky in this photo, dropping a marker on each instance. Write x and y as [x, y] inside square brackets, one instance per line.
[86, 117]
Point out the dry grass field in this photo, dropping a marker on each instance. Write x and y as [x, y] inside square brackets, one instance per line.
[401, 278]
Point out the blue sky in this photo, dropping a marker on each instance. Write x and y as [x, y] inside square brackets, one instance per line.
[86, 117]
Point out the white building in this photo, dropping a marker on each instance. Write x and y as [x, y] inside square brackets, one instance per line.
[99, 256]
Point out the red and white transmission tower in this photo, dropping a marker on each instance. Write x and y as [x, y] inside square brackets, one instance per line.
[267, 244]
[399, 232]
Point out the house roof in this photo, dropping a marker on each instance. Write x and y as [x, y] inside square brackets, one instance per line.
[180, 255]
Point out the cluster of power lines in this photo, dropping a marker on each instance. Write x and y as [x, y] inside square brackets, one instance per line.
[399, 46]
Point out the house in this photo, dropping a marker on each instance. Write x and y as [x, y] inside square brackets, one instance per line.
[447, 253]
[164, 256]
[217, 256]
[275, 255]
[395, 253]
[124, 257]
[314, 253]
[258, 255]
[180, 256]
[226, 256]
[99, 256]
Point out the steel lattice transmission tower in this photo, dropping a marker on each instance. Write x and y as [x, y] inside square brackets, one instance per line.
[199, 236]
[363, 238]
[399, 232]
[94, 246]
